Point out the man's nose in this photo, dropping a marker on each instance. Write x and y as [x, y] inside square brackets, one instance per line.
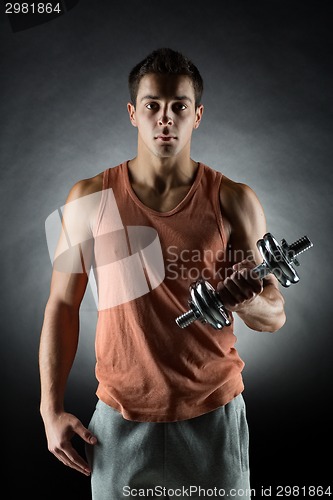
[165, 118]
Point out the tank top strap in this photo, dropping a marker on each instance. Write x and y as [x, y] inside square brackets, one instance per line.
[108, 205]
[106, 179]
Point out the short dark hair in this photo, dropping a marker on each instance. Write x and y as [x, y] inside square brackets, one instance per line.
[165, 61]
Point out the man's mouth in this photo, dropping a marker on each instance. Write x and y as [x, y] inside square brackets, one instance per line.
[165, 138]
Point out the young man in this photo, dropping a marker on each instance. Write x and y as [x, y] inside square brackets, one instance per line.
[170, 416]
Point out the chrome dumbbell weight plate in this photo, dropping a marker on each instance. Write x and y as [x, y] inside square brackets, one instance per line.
[205, 305]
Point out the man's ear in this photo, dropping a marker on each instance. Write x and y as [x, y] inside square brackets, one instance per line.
[198, 115]
[131, 113]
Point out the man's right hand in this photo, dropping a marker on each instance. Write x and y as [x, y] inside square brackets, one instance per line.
[60, 429]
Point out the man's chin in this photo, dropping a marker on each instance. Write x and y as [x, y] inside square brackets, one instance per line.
[166, 151]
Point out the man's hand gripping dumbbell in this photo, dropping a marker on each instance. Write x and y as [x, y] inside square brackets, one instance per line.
[211, 306]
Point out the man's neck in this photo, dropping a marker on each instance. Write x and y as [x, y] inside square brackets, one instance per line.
[161, 183]
[162, 174]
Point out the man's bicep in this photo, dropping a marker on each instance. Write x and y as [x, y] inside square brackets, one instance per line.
[67, 288]
[74, 250]
[249, 225]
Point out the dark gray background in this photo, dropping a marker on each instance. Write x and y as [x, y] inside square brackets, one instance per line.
[268, 122]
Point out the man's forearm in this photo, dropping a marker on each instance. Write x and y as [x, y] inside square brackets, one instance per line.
[58, 345]
[266, 312]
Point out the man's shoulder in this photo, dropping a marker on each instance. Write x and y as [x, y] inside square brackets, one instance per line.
[85, 187]
[232, 193]
[237, 196]
[229, 186]
[237, 189]
[94, 184]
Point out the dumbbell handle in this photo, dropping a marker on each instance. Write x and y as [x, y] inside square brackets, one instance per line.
[278, 259]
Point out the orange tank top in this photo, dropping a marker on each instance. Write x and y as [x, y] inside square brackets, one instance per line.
[147, 367]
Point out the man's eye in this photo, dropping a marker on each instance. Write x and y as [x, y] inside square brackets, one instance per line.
[180, 107]
[151, 105]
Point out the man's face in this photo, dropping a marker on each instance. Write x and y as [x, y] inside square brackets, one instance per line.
[165, 114]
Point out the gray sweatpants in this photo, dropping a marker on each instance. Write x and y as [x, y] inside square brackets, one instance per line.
[206, 456]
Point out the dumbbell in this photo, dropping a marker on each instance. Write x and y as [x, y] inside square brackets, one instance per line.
[278, 259]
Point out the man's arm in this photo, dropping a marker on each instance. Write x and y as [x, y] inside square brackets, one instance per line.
[60, 329]
[259, 303]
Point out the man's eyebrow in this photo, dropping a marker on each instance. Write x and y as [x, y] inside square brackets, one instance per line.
[156, 98]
